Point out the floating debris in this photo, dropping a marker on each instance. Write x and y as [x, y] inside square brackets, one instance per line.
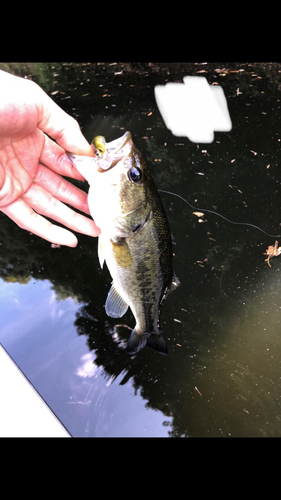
[272, 251]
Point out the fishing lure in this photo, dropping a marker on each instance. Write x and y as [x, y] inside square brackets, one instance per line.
[272, 251]
[222, 216]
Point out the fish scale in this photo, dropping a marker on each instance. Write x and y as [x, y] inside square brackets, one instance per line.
[135, 240]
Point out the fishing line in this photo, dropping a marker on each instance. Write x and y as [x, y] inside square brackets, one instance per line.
[222, 216]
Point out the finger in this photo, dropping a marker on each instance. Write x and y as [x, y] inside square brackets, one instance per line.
[54, 157]
[27, 219]
[45, 204]
[61, 126]
[62, 189]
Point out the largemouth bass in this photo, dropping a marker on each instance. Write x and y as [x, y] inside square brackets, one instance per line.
[135, 240]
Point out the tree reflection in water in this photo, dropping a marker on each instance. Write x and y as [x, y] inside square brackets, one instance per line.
[222, 374]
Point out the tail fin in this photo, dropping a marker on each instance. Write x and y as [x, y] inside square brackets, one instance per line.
[156, 341]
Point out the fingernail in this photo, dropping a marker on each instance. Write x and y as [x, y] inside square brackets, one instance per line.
[94, 230]
[62, 236]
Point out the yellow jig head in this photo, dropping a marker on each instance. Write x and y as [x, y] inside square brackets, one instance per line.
[99, 146]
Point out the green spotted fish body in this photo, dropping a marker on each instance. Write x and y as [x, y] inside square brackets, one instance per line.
[135, 240]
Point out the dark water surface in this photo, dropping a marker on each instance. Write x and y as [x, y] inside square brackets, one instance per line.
[222, 376]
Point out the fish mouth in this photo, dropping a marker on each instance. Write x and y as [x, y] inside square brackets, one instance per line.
[115, 147]
[115, 151]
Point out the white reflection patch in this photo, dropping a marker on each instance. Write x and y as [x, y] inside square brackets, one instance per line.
[193, 108]
[88, 367]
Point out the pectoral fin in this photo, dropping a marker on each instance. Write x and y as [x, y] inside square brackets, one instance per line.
[115, 306]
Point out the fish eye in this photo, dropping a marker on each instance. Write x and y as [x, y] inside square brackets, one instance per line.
[135, 174]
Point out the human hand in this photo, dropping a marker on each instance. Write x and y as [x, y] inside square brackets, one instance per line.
[31, 163]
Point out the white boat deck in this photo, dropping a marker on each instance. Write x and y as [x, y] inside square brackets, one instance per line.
[23, 413]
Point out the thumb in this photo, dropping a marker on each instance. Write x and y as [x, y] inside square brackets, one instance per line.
[61, 126]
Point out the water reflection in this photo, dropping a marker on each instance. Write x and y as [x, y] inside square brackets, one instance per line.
[222, 375]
